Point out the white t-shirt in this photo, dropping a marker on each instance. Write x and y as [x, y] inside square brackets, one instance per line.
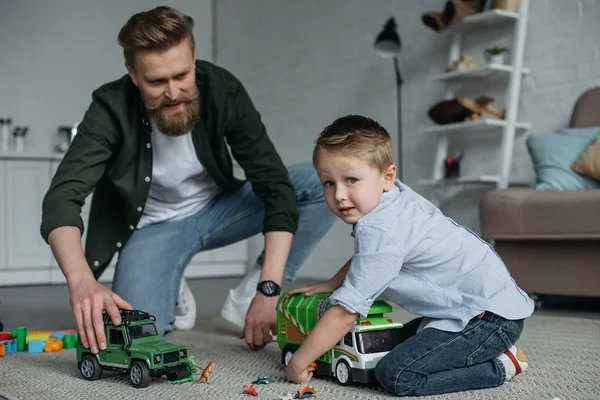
[180, 185]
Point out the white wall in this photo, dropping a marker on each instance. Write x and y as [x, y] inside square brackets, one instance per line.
[306, 63]
[55, 53]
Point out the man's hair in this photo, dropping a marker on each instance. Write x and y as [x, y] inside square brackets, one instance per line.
[360, 137]
[156, 29]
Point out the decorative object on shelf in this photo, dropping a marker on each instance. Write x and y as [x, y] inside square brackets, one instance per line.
[388, 45]
[66, 135]
[508, 5]
[463, 109]
[452, 166]
[495, 55]
[454, 12]
[19, 134]
[465, 62]
[5, 128]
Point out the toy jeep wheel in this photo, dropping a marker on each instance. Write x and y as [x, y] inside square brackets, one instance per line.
[343, 374]
[139, 374]
[90, 368]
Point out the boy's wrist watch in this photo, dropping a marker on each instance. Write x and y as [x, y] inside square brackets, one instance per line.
[269, 288]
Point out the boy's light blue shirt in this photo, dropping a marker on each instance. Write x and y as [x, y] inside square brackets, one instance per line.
[427, 264]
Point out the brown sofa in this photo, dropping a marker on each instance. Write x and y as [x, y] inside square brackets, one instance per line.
[549, 240]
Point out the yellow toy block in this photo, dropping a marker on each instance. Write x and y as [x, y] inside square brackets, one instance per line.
[39, 335]
[52, 345]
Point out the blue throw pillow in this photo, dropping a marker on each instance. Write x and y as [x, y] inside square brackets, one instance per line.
[554, 153]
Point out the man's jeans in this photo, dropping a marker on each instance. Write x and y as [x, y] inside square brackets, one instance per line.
[152, 262]
[435, 362]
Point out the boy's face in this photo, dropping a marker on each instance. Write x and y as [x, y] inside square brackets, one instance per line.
[352, 187]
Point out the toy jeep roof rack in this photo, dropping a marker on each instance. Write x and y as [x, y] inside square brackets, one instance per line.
[129, 316]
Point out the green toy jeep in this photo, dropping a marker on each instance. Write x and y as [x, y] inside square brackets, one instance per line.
[134, 347]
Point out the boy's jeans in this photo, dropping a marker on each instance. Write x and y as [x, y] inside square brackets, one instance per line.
[435, 361]
[151, 264]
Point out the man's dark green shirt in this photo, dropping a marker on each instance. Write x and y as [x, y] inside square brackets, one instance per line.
[111, 155]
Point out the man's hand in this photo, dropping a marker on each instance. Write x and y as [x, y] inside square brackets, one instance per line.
[315, 288]
[297, 373]
[88, 299]
[261, 320]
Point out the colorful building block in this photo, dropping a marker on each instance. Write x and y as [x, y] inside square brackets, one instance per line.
[5, 336]
[2, 350]
[69, 340]
[39, 335]
[53, 345]
[36, 346]
[10, 346]
[20, 334]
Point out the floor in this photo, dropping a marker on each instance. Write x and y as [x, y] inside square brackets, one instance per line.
[48, 308]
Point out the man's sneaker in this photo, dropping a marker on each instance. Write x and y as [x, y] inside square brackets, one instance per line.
[185, 318]
[515, 361]
[234, 311]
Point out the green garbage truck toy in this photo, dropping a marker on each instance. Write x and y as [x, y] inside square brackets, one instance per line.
[136, 348]
[354, 358]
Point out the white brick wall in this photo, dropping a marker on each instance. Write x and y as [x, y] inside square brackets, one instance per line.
[306, 63]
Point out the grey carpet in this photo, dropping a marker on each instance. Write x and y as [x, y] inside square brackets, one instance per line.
[565, 355]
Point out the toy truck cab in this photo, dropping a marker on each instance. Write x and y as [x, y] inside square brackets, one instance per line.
[134, 347]
[354, 358]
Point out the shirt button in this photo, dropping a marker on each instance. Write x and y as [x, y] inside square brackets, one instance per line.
[96, 263]
[139, 209]
[119, 245]
[131, 227]
[147, 179]
[148, 145]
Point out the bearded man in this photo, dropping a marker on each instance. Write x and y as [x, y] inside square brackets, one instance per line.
[155, 149]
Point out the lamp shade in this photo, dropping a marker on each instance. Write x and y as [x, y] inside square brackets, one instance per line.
[387, 44]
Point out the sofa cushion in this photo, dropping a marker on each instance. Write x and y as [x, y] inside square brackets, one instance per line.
[589, 162]
[529, 213]
[553, 154]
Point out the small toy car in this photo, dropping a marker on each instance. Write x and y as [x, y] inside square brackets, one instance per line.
[134, 347]
[263, 380]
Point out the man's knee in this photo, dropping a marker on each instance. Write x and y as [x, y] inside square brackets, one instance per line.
[395, 378]
[305, 179]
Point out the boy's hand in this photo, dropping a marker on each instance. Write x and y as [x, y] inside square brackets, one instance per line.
[298, 374]
[321, 287]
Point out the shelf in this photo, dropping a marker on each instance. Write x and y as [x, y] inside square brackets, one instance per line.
[487, 71]
[482, 19]
[483, 180]
[479, 125]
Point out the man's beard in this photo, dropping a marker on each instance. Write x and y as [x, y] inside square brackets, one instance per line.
[176, 122]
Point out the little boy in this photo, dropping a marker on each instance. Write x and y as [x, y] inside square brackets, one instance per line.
[405, 248]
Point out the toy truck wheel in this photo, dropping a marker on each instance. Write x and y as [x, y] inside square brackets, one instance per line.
[343, 374]
[139, 374]
[287, 353]
[90, 368]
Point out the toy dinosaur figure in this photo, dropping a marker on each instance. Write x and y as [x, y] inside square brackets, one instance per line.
[206, 373]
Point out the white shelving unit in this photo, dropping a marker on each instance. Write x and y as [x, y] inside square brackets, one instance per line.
[510, 126]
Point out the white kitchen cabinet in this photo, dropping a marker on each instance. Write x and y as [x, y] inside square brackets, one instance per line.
[26, 182]
[3, 214]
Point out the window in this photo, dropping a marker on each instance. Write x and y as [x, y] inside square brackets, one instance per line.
[348, 339]
[140, 331]
[115, 336]
[378, 341]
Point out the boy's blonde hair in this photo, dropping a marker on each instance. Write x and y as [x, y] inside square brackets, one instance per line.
[360, 137]
[156, 29]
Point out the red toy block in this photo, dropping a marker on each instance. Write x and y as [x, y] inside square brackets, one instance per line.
[5, 336]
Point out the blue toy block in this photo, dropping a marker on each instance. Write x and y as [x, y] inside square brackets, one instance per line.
[36, 346]
[57, 335]
[10, 346]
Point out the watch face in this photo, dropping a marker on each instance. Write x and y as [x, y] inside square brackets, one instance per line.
[269, 288]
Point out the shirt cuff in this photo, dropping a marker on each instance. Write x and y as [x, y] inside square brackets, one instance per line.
[351, 300]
